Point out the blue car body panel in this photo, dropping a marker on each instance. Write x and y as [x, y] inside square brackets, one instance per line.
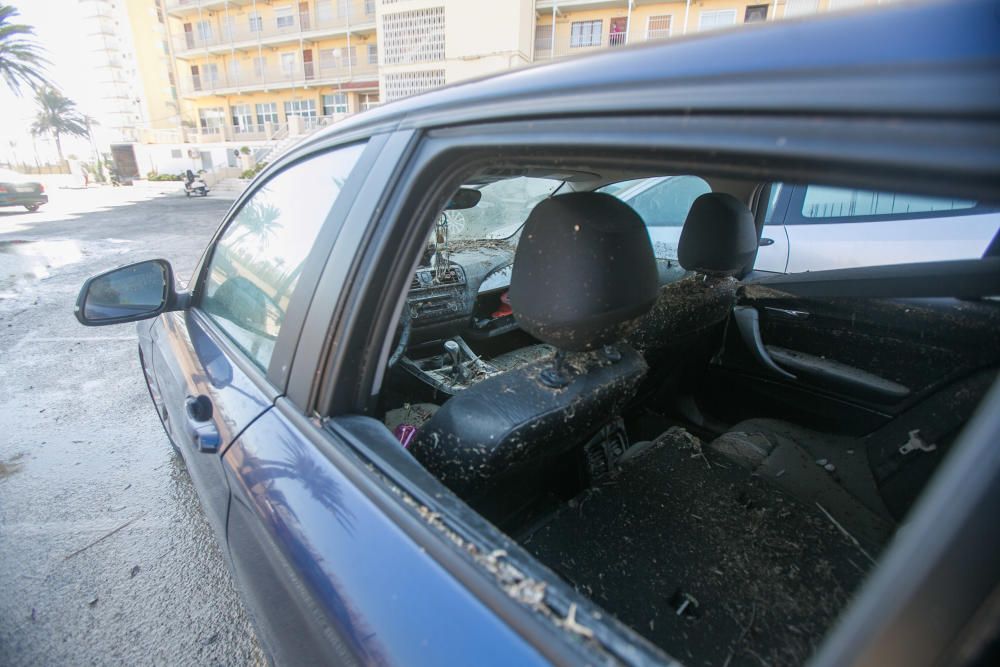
[386, 599]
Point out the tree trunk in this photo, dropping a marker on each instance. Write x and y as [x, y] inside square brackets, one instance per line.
[62, 160]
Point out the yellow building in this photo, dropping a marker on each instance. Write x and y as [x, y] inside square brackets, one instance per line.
[246, 69]
[259, 72]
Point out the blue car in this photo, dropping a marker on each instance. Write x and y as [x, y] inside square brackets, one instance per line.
[445, 403]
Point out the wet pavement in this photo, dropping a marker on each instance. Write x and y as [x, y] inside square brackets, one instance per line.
[105, 554]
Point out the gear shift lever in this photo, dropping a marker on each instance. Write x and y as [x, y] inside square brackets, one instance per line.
[454, 351]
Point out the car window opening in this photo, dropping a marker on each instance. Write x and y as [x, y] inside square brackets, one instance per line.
[610, 416]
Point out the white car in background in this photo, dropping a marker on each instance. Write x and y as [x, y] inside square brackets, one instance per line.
[815, 227]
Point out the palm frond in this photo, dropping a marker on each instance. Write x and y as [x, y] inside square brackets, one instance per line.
[22, 60]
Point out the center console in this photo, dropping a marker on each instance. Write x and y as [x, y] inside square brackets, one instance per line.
[455, 368]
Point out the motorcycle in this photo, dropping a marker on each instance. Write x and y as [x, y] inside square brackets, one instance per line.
[196, 187]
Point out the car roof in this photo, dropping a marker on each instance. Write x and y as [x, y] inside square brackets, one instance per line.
[915, 59]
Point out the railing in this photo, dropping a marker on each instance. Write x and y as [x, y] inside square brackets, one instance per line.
[172, 5]
[564, 44]
[239, 28]
[297, 75]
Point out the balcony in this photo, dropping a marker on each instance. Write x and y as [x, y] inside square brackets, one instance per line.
[239, 32]
[185, 7]
[564, 45]
[301, 75]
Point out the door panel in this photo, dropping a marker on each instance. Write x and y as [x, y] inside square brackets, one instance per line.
[818, 247]
[190, 364]
[772, 255]
[850, 364]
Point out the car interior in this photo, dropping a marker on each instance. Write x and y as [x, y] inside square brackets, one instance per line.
[715, 456]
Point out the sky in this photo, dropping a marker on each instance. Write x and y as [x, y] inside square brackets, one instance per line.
[57, 26]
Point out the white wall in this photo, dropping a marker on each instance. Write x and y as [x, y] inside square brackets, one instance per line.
[159, 157]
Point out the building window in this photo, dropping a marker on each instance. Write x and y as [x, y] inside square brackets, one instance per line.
[373, 54]
[303, 108]
[369, 7]
[801, 7]
[267, 112]
[324, 11]
[259, 65]
[844, 4]
[256, 22]
[211, 120]
[337, 58]
[756, 14]
[204, 31]
[288, 64]
[543, 39]
[335, 104]
[413, 37]
[242, 118]
[585, 33]
[368, 101]
[719, 18]
[404, 84]
[283, 17]
[211, 74]
[658, 27]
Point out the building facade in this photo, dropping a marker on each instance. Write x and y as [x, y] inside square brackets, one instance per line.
[255, 72]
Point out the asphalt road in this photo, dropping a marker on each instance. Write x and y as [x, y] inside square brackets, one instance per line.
[105, 554]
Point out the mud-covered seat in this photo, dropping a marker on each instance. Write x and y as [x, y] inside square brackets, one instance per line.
[583, 274]
[718, 239]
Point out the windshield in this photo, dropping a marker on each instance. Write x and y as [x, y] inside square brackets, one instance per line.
[504, 207]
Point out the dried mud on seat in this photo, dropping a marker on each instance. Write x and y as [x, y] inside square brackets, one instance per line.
[708, 562]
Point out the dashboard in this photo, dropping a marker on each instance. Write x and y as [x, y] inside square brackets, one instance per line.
[462, 296]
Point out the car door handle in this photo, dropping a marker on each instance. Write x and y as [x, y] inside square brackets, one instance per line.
[200, 423]
[764, 241]
[748, 323]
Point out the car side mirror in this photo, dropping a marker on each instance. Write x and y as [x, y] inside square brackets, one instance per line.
[127, 294]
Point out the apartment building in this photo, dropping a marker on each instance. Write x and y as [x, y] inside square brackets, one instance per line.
[132, 76]
[572, 27]
[255, 72]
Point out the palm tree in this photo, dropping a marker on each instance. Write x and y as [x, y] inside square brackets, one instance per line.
[21, 60]
[57, 116]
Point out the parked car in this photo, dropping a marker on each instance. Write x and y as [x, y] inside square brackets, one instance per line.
[816, 228]
[444, 404]
[18, 190]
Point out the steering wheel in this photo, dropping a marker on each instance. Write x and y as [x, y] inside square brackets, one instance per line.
[403, 329]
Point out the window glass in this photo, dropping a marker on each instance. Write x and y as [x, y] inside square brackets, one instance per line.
[772, 201]
[334, 104]
[719, 18]
[267, 112]
[257, 261]
[663, 203]
[585, 33]
[825, 202]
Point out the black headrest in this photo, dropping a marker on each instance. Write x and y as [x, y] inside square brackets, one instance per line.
[719, 236]
[584, 271]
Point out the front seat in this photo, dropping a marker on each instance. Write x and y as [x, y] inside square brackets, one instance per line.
[584, 273]
[717, 241]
